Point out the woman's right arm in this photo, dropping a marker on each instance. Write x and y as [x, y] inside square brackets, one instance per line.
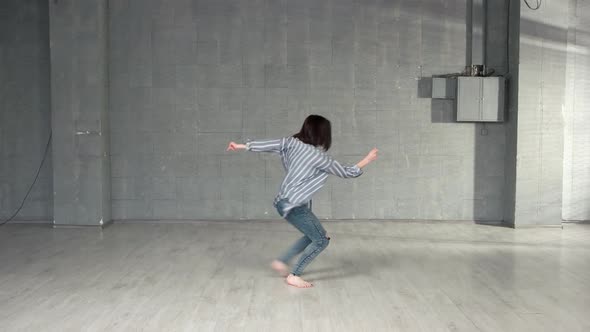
[233, 146]
[273, 145]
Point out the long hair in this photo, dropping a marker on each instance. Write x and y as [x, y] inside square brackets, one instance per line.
[317, 131]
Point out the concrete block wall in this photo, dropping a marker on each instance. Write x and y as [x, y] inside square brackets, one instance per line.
[188, 76]
[511, 125]
[576, 156]
[541, 100]
[79, 96]
[25, 109]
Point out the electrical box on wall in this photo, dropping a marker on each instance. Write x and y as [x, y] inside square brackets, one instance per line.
[444, 88]
[480, 99]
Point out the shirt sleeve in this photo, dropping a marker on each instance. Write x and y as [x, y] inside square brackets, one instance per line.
[333, 167]
[273, 145]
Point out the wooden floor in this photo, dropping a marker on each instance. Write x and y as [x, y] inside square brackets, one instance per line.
[374, 276]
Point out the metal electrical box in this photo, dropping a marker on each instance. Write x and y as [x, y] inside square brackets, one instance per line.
[480, 99]
[444, 88]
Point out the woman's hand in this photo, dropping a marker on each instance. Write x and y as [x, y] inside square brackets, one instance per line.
[233, 146]
[368, 159]
[372, 155]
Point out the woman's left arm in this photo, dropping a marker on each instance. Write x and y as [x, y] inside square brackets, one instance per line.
[333, 167]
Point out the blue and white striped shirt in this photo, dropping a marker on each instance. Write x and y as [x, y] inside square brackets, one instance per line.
[307, 169]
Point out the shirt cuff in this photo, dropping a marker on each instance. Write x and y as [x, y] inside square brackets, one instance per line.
[357, 169]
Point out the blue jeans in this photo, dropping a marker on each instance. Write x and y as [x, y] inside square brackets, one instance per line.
[314, 239]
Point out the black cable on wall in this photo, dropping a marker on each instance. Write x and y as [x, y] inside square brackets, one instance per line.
[32, 184]
[531, 7]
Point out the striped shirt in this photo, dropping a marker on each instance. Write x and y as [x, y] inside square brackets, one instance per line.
[307, 169]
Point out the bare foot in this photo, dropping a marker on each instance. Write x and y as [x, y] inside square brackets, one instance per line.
[296, 281]
[281, 268]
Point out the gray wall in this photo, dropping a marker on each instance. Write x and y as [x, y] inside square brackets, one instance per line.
[490, 139]
[24, 108]
[79, 101]
[511, 124]
[188, 76]
[541, 98]
[576, 173]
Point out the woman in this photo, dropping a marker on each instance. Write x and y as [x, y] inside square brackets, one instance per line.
[307, 166]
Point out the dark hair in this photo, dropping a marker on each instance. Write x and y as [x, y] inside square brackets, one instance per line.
[317, 131]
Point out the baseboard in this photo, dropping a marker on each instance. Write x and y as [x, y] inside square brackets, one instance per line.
[538, 226]
[491, 222]
[583, 222]
[198, 221]
[186, 221]
[507, 223]
[108, 223]
[103, 226]
[30, 222]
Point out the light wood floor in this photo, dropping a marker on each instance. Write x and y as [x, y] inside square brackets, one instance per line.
[374, 276]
